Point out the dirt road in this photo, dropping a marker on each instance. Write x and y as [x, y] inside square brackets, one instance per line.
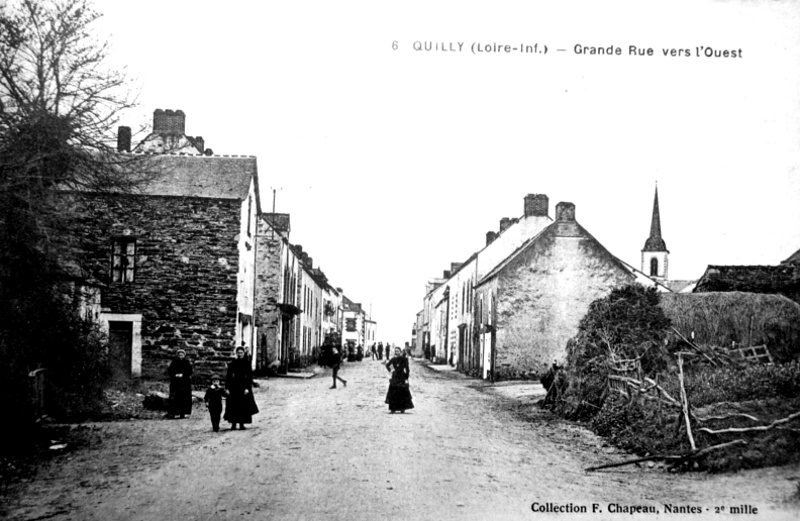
[465, 452]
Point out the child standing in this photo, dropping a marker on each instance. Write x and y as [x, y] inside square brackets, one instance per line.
[213, 399]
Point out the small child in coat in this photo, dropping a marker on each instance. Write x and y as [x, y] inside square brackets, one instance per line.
[213, 399]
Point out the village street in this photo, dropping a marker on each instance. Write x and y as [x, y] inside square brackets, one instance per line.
[467, 451]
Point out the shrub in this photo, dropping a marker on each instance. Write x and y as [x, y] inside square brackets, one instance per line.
[626, 324]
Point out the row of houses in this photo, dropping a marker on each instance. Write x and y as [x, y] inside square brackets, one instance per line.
[191, 261]
[509, 309]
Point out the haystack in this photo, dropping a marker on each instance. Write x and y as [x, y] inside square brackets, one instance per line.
[736, 318]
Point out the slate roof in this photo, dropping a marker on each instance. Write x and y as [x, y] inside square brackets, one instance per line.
[793, 258]
[349, 305]
[280, 222]
[212, 177]
[752, 279]
[554, 227]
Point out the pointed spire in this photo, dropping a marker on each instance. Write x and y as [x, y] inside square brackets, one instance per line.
[655, 242]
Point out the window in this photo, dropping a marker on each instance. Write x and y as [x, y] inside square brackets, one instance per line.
[123, 263]
[653, 267]
[249, 213]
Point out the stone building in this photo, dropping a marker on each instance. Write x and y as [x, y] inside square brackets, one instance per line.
[783, 279]
[177, 261]
[449, 305]
[354, 329]
[296, 308]
[530, 304]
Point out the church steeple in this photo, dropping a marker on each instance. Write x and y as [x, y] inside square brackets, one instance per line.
[654, 253]
[655, 242]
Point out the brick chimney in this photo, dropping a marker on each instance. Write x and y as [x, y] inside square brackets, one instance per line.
[124, 139]
[200, 144]
[454, 266]
[536, 205]
[309, 262]
[299, 250]
[490, 237]
[446, 274]
[505, 222]
[169, 121]
[565, 212]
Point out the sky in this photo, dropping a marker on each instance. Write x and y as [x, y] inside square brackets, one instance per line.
[394, 162]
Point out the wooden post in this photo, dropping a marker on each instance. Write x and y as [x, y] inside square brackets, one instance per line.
[685, 403]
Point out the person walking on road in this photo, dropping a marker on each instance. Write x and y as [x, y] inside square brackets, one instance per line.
[387, 351]
[241, 405]
[372, 349]
[180, 386]
[332, 357]
[399, 396]
[336, 363]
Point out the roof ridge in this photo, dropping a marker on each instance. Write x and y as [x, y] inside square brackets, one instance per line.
[184, 154]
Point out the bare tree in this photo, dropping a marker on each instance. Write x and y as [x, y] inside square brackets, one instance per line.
[59, 106]
[60, 103]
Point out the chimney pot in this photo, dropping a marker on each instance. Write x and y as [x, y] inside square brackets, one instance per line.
[505, 222]
[536, 205]
[490, 237]
[565, 212]
[124, 139]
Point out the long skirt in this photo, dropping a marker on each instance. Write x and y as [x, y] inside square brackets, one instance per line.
[240, 407]
[399, 397]
[180, 397]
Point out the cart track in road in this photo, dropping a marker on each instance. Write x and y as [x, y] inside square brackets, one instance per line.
[464, 452]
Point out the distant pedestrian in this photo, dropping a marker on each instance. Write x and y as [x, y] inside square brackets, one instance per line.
[359, 353]
[373, 351]
[387, 351]
[399, 396]
[380, 350]
[335, 362]
[241, 405]
[213, 400]
[180, 386]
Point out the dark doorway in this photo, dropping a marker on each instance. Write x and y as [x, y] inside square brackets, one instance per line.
[120, 347]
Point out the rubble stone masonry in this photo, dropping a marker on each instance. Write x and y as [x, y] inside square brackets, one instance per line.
[185, 280]
[543, 296]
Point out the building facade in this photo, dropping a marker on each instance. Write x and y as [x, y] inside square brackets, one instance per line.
[177, 262]
[530, 305]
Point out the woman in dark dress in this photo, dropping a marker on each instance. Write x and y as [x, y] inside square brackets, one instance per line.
[180, 386]
[399, 396]
[240, 405]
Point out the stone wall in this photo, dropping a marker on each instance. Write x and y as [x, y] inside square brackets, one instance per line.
[185, 281]
[269, 279]
[543, 294]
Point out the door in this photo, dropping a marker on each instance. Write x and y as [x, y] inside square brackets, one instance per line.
[120, 348]
[461, 341]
